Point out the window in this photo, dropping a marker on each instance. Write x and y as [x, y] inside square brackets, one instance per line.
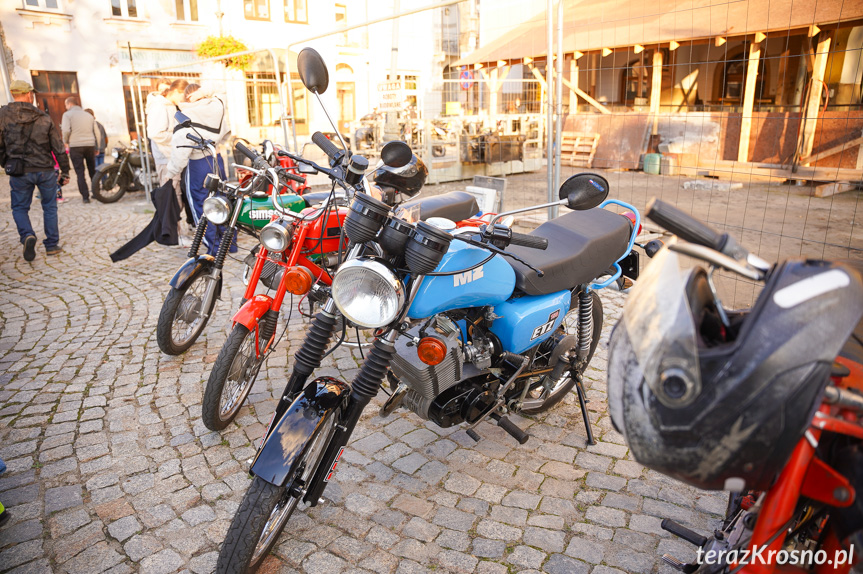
[296, 11]
[124, 8]
[257, 9]
[187, 10]
[301, 105]
[262, 99]
[42, 4]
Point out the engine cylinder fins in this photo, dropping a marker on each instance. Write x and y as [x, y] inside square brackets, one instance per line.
[585, 323]
[368, 381]
[314, 346]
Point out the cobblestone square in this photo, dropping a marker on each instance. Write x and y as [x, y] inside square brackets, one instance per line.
[112, 470]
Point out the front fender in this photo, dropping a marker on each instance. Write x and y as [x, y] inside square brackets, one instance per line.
[191, 269]
[252, 311]
[287, 440]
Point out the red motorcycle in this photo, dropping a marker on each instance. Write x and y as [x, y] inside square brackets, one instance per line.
[299, 254]
[765, 403]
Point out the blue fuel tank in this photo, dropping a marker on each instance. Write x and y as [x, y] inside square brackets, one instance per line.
[489, 284]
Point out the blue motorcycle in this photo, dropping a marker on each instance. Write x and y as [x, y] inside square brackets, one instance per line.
[468, 327]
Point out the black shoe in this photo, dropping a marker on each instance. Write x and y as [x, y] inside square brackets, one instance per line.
[53, 250]
[30, 248]
[86, 200]
[4, 517]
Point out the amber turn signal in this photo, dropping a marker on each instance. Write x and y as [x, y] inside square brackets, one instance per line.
[431, 351]
[298, 280]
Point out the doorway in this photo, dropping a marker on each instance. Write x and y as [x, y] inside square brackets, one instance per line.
[53, 88]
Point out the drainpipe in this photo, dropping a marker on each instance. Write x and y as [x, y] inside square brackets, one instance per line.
[4, 73]
[558, 104]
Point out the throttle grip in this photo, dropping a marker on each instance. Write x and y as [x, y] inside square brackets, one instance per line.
[326, 145]
[194, 138]
[531, 241]
[684, 226]
[293, 177]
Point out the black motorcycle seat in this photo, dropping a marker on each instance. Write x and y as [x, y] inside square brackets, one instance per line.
[581, 246]
[455, 206]
[315, 198]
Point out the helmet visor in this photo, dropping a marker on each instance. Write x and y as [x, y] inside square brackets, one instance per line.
[659, 322]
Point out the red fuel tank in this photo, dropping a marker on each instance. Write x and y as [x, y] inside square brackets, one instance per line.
[327, 229]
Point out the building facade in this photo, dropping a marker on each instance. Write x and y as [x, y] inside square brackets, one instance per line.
[93, 48]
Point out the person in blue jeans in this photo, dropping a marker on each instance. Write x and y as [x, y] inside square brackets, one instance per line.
[208, 114]
[27, 139]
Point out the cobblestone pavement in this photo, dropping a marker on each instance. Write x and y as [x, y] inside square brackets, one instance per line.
[111, 469]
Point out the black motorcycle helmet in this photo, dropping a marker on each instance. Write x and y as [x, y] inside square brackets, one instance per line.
[408, 179]
[721, 407]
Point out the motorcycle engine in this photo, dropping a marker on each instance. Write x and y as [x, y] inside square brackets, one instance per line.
[427, 383]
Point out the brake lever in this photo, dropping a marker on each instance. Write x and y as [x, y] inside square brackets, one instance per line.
[494, 249]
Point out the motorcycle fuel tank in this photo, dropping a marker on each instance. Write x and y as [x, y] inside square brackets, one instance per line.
[530, 320]
[323, 236]
[257, 211]
[488, 284]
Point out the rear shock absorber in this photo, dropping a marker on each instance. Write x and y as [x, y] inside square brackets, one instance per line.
[199, 236]
[585, 323]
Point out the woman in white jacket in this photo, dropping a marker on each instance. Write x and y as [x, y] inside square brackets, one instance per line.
[161, 106]
[209, 120]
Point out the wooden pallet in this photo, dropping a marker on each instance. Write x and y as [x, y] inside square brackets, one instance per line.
[578, 149]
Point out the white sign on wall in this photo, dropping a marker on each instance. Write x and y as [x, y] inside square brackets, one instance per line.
[390, 96]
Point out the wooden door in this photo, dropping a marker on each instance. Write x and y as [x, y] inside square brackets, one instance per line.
[52, 90]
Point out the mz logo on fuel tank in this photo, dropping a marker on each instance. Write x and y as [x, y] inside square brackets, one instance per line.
[467, 277]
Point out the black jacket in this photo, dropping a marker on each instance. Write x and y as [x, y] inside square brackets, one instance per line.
[20, 119]
[162, 228]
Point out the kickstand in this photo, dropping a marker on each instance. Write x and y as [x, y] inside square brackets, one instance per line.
[583, 402]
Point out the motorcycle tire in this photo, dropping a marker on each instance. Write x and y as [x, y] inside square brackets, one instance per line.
[266, 508]
[122, 183]
[235, 371]
[180, 305]
[560, 391]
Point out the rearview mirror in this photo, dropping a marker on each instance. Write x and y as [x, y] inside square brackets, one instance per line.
[269, 151]
[313, 71]
[182, 119]
[584, 191]
[396, 154]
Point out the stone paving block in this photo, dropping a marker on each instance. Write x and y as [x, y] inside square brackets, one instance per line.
[124, 528]
[141, 546]
[61, 498]
[526, 557]
[163, 562]
[98, 558]
[20, 532]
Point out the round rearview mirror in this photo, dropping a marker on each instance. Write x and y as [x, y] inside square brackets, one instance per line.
[396, 154]
[584, 191]
[313, 71]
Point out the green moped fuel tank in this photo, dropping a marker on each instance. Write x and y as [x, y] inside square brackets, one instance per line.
[257, 211]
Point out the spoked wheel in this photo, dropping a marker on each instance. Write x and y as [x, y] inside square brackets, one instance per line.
[266, 508]
[109, 186]
[231, 379]
[546, 393]
[183, 316]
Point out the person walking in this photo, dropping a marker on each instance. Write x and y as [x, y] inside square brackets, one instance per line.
[27, 139]
[80, 134]
[207, 112]
[101, 142]
[161, 107]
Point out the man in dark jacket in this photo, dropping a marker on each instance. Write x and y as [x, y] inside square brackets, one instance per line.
[28, 137]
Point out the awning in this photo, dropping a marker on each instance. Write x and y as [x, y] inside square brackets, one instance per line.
[594, 25]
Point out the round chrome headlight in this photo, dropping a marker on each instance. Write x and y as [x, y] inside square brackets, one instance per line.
[368, 293]
[276, 236]
[217, 209]
[116, 153]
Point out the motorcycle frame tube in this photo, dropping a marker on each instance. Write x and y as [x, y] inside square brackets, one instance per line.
[781, 501]
[255, 277]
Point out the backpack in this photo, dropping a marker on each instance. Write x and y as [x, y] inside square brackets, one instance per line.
[14, 134]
